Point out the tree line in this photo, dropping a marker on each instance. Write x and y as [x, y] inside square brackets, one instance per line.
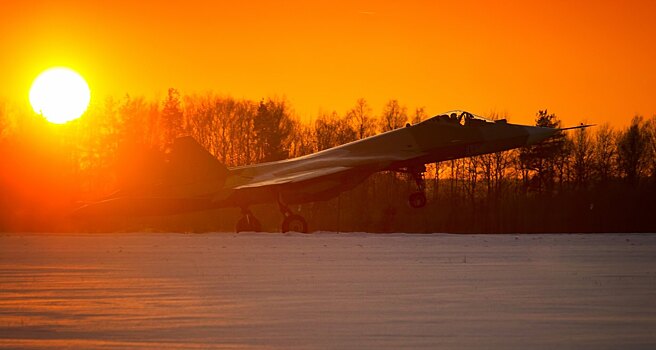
[599, 179]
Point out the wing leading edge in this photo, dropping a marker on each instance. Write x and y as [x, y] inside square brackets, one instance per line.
[296, 177]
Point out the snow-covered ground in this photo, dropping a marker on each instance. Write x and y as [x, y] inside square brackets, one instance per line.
[327, 291]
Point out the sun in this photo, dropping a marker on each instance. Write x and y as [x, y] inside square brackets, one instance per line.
[60, 95]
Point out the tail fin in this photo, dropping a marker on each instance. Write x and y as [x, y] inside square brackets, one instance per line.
[174, 185]
[189, 162]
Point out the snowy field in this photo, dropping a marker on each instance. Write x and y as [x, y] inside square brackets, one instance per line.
[327, 291]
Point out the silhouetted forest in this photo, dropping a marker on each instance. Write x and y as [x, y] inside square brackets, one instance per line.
[598, 179]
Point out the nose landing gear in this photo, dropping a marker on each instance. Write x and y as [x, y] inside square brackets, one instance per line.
[418, 199]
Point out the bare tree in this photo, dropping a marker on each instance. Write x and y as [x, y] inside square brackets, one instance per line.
[394, 116]
[331, 131]
[604, 153]
[545, 160]
[272, 127]
[172, 117]
[419, 116]
[651, 133]
[4, 120]
[582, 154]
[494, 168]
[632, 150]
[325, 131]
[361, 119]
[302, 140]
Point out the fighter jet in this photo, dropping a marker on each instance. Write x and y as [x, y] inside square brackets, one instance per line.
[195, 180]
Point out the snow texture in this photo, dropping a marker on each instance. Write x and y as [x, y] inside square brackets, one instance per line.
[327, 291]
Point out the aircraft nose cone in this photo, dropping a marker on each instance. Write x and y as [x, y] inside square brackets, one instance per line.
[537, 134]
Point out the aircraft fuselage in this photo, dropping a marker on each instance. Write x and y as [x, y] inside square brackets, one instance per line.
[434, 140]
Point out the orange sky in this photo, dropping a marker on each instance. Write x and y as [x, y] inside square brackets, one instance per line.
[584, 60]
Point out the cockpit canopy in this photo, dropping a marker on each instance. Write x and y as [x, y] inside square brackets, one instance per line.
[462, 118]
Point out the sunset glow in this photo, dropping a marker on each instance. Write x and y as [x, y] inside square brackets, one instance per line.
[257, 174]
[584, 60]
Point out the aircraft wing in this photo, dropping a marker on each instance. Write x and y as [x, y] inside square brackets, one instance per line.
[295, 177]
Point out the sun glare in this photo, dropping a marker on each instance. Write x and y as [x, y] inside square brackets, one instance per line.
[60, 95]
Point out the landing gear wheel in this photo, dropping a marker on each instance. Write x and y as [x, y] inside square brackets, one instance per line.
[248, 223]
[294, 223]
[417, 200]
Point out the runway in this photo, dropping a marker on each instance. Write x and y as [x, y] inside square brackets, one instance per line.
[327, 291]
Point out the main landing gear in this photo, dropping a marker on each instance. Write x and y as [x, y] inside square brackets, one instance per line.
[418, 199]
[291, 221]
[248, 222]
